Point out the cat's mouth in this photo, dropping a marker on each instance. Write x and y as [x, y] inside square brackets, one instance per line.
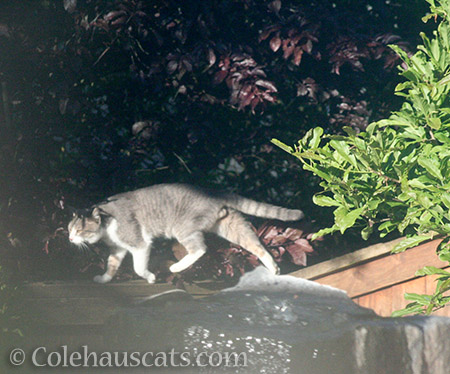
[77, 240]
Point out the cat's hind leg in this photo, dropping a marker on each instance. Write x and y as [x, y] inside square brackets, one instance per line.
[236, 229]
[114, 261]
[196, 248]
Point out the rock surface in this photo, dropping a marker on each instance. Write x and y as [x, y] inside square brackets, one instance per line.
[282, 324]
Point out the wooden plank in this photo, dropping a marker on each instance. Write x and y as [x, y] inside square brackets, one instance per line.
[346, 261]
[385, 271]
[380, 301]
[390, 299]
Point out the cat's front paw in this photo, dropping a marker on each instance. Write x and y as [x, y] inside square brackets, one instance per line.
[105, 278]
[151, 278]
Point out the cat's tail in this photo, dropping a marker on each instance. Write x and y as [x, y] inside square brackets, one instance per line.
[257, 209]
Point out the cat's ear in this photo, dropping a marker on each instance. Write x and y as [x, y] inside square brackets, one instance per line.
[72, 211]
[96, 214]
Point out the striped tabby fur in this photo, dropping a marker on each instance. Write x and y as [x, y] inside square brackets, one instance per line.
[128, 222]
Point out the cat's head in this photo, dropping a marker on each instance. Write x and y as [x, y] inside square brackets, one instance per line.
[86, 227]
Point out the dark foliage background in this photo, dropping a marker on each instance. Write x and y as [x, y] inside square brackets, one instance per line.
[104, 96]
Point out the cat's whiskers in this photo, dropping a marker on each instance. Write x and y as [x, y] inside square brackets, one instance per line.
[83, 247]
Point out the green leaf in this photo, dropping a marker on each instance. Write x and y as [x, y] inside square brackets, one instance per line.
[323, 232]
[444, 80]
[431, 165]
[415, 183]
[434, 123]
[345, 219]
[366, 232]
[323, 200]
[401, 53]
[421, 299]
[445, 198]
[424, 200]
[444, 255]
[387, 227]
[442, 137]
[444, 283]
[320, 172]
[401, 86]
[427, 17]
[431, 270]
[373, 204]
[413, 308]
[343, 150]
[315, 140]
[350, 131]
[410, 242]
[283, 146]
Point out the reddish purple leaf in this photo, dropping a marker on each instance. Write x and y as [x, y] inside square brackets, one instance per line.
[275, 43]
[186, 63]
[266, 84]
[220, 76]
[293, 234]
[275, 6]
[298, 251]
[298, 53]
[211, 57]
[246, 97]
[114, 15]
[308, 46]
[70, 5]
[266, 96]
[288, 48]
[119, 21]
[172, 66]
[255, 103]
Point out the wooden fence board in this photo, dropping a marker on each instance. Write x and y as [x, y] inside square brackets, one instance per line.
[388, 300]
[385, 271]
[347, 261]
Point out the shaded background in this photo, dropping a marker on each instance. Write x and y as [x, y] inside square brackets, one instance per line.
[100, 96]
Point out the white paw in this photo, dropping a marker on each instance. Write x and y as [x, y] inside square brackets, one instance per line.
[151, 278]
[270, 264]
[176, 268]
[274, 269]
[105, 278]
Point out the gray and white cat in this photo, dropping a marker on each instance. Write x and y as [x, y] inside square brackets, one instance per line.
[128, 222]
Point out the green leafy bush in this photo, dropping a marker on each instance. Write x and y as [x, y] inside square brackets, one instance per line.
[396, 174]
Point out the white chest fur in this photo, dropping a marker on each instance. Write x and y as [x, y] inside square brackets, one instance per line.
[111, 230]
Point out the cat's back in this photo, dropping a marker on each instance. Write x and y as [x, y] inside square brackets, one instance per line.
[161, 197]
[167, 191]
